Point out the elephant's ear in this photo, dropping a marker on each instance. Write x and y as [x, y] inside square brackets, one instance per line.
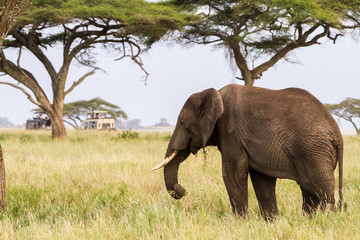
[210, 110]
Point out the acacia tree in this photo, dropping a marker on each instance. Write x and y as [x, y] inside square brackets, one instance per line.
[349, 110]
[258, 33]
[75, 111]
[10, 10]
[77, 27]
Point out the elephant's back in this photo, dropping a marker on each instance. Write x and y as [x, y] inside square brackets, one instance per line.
[293, 107]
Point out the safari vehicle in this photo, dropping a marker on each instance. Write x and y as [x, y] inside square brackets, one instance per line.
[98, 120]
[40, 121]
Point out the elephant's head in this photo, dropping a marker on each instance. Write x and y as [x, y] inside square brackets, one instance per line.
[194, 127]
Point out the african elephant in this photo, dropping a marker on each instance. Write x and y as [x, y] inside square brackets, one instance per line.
[268, 134]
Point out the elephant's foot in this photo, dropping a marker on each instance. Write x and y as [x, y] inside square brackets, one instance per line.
[241, 212]
[312, 202]
[269, 215]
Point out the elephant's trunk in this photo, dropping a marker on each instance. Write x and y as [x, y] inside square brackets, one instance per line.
[171, 175]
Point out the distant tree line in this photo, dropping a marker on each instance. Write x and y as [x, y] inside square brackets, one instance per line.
[5, 123]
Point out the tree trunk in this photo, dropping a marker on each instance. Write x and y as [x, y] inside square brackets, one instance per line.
[10, 10]
[2, 182]
[246, 75]
[57, 123]
[58, 129]
[249, 81]
[241, 63]
[354, 124]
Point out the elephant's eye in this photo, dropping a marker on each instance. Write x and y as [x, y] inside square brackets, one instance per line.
[182, 122]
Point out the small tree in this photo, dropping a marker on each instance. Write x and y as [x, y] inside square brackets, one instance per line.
[259, 33]
[74, 112]
[349, 110]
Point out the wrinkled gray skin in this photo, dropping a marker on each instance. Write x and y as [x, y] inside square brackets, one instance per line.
[268, 133]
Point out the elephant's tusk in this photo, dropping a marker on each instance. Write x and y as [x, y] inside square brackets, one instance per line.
[166, 161]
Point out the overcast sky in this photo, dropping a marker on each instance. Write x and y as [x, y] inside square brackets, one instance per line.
[330, 72]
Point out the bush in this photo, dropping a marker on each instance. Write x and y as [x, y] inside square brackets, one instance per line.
[127, 135]
[2, 137]
[167, 138]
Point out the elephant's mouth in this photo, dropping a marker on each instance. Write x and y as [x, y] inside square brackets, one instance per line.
[195, 145]
[194, 149]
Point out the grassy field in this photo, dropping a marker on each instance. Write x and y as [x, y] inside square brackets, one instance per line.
[98, 185]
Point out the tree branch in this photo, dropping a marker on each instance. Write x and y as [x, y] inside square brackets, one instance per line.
[134, 56]
[300, 42]
[71, 124]
[334, 38]
[80, 80]
[23, 76]
[28, 42]
[354, 19]
[315, 39]
[25, 92]
[74, 120]
[354, 125]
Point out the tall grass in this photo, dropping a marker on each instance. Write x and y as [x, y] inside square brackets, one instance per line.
[96, 185]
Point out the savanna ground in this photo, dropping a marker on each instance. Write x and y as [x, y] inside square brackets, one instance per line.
[98, 185]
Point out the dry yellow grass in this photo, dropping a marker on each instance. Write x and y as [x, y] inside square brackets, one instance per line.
[95, 185]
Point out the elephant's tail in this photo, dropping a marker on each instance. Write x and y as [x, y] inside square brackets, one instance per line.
[339, 158]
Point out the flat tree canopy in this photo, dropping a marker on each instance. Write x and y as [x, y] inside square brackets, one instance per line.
[349, 110]
[77, 27]
[258, 33]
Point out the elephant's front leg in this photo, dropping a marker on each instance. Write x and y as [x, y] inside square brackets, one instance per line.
[235, 175]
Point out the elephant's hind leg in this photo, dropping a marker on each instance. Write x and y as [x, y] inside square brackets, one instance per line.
[312, 201]
[315, 175]
[264, 187]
